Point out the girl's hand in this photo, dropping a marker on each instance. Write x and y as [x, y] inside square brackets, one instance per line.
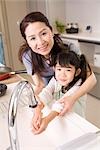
[45, 121]
[36, 120]
[42, 126]
[68, 102]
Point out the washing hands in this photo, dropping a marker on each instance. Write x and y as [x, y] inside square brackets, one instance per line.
[40, 123]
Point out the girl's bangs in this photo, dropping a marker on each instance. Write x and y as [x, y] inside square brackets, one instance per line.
[63, 62]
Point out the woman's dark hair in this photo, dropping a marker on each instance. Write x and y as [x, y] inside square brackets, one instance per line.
[37, 59]
[31, 18]
[65, 59]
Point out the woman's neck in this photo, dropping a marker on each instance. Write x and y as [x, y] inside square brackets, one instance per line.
[47, 57]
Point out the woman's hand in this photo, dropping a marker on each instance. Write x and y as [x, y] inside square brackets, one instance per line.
[68, 103]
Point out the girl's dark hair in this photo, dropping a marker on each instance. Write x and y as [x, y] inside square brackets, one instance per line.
[65, 59]
[37, 59]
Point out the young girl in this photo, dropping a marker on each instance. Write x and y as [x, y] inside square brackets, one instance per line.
[70, 73]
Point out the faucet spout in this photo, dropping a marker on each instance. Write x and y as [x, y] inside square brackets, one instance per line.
[12, 112]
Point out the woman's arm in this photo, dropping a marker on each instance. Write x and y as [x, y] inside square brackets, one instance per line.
[84, 88]
[38, 83]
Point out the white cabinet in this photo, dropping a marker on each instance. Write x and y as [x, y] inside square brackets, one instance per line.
[88, 49]
[97, 56]
[92, 52]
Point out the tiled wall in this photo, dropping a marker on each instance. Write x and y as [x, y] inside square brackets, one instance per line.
[85, 12]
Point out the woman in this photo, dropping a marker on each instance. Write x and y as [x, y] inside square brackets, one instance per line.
[37, 52]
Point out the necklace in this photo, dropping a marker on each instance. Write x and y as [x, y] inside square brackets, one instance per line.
[47, 59]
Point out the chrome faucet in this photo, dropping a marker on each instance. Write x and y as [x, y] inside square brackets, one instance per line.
[12, 112]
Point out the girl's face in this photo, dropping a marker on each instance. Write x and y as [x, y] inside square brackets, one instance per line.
[40, 38]
[64, 75]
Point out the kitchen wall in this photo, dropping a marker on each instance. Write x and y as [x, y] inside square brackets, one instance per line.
[85, 12]
[10, 13]
[53, 9]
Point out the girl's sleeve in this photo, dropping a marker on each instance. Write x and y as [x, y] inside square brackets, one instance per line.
[46, 96]
[57, 106]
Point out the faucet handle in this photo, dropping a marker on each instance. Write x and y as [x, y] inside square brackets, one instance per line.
[33, 106]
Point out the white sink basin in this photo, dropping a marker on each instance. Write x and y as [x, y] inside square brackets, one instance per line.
[59, 131]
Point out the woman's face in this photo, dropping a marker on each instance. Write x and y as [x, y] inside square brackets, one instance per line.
[64, 75]
[39, 38]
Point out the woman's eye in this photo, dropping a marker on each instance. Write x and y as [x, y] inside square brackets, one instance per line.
[59, 69]
[44, 33]
[33, 38]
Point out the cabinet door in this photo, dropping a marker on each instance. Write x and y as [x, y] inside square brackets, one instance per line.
[97, 55]
[96, 90]
[88, 49]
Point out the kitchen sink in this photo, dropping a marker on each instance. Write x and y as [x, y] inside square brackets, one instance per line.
[58, 132]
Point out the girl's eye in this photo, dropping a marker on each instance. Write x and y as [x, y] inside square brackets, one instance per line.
[59, 69]
[68, 70]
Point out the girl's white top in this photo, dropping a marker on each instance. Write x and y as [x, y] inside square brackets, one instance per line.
[52, 93]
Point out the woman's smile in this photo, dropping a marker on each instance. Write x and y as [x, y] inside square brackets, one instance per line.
[43, 47]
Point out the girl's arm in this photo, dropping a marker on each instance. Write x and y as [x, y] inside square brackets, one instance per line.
[37, 117]
[84, 88]
[45, 121]
[56, 109]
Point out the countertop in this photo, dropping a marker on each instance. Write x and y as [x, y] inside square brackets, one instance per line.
[60, 131]
[90, 37]
[12, 79]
